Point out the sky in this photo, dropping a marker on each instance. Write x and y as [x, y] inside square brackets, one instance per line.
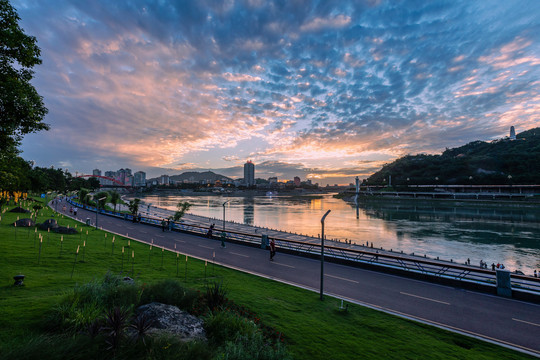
[323, 90]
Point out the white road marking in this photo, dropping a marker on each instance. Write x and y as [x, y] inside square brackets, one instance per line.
[340, 278]
[526, 322]
[144, 232]
[206, 247]
[289, 266]
[238, 254]
[161, 236]
[425, 298]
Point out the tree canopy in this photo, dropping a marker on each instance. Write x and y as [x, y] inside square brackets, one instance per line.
[21, 107]
[499, 162]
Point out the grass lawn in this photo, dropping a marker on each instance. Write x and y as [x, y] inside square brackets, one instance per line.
[312, 329]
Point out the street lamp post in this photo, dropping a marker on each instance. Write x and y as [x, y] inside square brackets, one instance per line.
[322, 253]
[224, 214]
[97, 208]
[223, 234]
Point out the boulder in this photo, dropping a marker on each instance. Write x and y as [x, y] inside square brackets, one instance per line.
[170, 319]
[49, 224]
[19, 209]
[65, 230]
[24, 223]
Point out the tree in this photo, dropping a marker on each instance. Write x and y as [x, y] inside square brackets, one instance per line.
[182, 207]
[93, 183]
[83, 196]
[21, 107]
[101, 195]
[134, 206]
[115, 199]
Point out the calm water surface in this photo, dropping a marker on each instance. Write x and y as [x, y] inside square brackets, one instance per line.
[457, 231]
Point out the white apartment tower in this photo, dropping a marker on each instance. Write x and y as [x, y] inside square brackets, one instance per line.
[249, 173]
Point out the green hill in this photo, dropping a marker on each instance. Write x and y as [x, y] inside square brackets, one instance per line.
[501, 161]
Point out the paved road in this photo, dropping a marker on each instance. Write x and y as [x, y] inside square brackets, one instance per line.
[505, 321]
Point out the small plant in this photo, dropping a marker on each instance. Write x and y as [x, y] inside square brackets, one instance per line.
[94, 328]
[36, 210]
[115, 324]
[169, 292]
[216, 296]
[141, 324]
[253, 346]
[223, 326]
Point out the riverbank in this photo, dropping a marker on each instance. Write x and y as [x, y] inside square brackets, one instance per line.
[522, 202]
[491, 233]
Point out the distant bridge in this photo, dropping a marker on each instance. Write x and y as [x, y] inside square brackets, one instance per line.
[452, 191]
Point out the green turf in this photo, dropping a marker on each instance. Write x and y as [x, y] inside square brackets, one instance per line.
[312, 329]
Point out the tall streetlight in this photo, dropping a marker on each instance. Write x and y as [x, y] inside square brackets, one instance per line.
[97, 207]
[223, 234]
[322, 252]
[224, 214]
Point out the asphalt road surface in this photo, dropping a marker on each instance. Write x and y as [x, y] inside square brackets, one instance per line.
[508, 322]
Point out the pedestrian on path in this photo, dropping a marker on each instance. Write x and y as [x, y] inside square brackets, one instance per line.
[210, 229]
[75, 211]
[163, 223]
[272, 249]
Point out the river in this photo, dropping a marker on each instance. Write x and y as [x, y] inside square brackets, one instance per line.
[492, 232]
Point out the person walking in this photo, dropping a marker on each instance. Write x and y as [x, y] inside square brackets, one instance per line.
[210, 229]
[163, 223]
[75, 211]
[272, 249]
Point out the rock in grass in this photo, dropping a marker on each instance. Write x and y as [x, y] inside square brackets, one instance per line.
[172, 320]
[65, 230]
[19, 209]
[49, 224]
[24, 223]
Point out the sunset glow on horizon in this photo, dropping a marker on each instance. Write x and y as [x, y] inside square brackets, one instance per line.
[323, 90]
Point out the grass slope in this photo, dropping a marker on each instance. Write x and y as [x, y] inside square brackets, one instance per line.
[312, 329]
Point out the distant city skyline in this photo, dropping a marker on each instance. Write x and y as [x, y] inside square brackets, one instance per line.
[326, 91]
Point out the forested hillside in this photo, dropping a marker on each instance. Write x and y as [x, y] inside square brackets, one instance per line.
[502, 161]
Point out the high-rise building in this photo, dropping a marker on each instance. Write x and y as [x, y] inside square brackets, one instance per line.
[164, 179]
[249, 173]
[139, 178]
[121, 175]
[97, 172]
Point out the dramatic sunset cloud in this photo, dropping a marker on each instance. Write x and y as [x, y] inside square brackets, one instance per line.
[326, 90]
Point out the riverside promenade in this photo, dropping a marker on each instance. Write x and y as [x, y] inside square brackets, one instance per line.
[504, 321]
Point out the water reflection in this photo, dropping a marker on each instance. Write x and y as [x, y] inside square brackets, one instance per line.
[249, 210]
[450, 230]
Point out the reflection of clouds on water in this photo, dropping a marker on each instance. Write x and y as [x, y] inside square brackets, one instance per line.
[491, 234]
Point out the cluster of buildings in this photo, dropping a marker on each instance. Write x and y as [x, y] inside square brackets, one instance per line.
[122, 177]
